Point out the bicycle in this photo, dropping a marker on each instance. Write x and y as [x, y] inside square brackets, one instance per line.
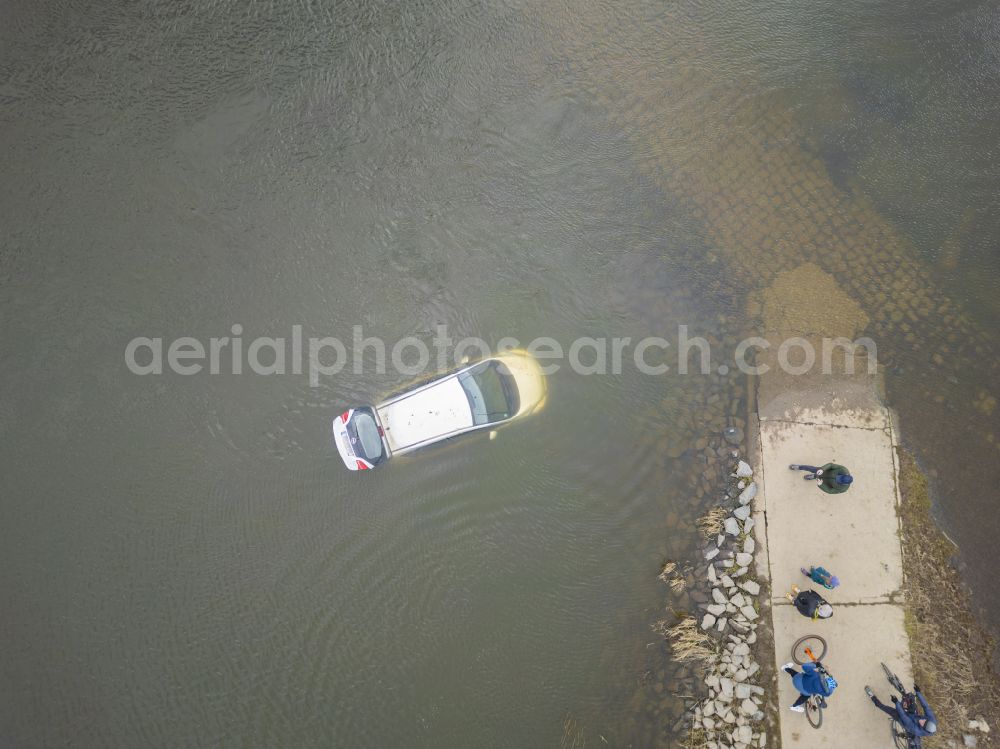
[804, 651]
[900, 737]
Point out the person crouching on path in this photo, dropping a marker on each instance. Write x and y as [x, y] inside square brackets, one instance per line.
[832, 478]
[811, 680]
[810, 603]
[915, 724]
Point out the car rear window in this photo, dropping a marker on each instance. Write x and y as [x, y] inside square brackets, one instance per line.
[369, 439]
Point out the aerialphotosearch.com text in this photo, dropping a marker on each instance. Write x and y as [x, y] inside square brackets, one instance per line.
[327, 356]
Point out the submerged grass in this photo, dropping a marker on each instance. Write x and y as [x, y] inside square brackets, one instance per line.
[674, 577]
[668, 569]
[951, 651]
[572, 736]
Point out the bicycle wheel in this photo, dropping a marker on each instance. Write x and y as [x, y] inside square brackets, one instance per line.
[893, 680]
[814, 713]
[815, 643]
[898, 735]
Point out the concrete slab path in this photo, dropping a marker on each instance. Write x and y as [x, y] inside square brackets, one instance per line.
[854, 535]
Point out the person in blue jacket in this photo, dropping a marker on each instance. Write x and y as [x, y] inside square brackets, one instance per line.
[913, 722]
[811, 680]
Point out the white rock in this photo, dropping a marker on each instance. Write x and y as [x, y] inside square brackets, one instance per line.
[741, 650]
[730, 608]
[721, 626]
[718, 596]
[727, 581]
[711, 574]
[749, 493]
[762, 741]
[738, 600]
[743, 559]
[748, 707]
[726, 686]
[715, 609]
[749, 612]
[709, 708]
[740, 571]
[741, 675]
[745, 733]
[752, 669]
[749, 545]
[743, 470]
[741, 513]
[742, 691]
[751, 638]
[712, 681]
[708, 723]
[712, 553]
[732, 527]
[708, 622]
[748, 525]
[751, 586]
[720, 539]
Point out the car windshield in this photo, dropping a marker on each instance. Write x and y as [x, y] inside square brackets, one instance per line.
[368, 436]
[491, 391]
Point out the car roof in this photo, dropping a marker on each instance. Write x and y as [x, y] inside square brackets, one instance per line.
[431, 412]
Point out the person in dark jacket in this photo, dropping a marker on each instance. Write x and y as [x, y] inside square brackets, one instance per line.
[811, 680]
[913, 723]
[832, 478]
[810, 603]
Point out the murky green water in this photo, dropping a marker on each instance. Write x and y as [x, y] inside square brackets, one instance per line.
[185, 561]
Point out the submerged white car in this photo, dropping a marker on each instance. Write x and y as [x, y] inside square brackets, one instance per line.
[486, 394]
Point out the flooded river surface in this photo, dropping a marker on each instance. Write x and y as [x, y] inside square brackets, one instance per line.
[185, 561]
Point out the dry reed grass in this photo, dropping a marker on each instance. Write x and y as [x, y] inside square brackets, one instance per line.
[951, 649]
[710, 524]
[696, 738]
[688, 643]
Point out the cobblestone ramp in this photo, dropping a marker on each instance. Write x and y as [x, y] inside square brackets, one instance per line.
[738, 163]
